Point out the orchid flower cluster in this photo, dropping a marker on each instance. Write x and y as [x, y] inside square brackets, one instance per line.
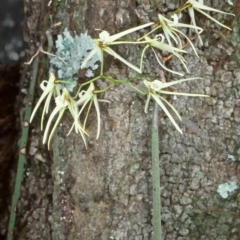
[169, 37]
[65, 101]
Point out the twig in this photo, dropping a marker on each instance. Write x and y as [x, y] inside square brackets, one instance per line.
[25, 130]
[22, 153]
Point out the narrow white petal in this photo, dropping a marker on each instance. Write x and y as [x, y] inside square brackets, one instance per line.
[71, 128]
[178, 38]
[49, 89]
[213, 19]
[142, 55]
[54, 112]
[104, 100]
[168, 84]
[73, 110]
[78, 128]
[147, 103]
[83, 136]
[44, 94]
[95, 100]
[168, 33]
[95, 50]
[83, 106]
[196, 5]
[192, 16]
[190, 42]
[182, 59]
[45, 108]
[114, 54]
[162, 65]
[165, 47]
[55, 126]
[86, 95]
[156, 98]
[128, 42]
[184, 94]
[187, 26]
[172, 107]
[121, 34]
[167, 29]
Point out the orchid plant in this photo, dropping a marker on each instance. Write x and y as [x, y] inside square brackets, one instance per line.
[168, 36]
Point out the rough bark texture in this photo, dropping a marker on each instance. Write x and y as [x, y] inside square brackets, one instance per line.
[105, 192]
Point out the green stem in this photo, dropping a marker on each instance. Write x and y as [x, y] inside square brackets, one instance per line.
[127, 80]
[154, 29]
[22, 146]
[156, 177]
[91, 80]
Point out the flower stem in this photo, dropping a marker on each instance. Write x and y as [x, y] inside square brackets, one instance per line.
[156, 177]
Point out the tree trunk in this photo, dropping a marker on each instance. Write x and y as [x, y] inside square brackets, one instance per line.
[105, 192]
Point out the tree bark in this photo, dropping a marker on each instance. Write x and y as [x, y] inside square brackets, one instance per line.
[105, 192]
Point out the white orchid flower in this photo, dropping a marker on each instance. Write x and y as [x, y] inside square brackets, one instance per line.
[105, 40]
[89, 97]
[50, 88]
[155, 88]
[200, 7]
[63, 102]
[155, 43]
[171, 32]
